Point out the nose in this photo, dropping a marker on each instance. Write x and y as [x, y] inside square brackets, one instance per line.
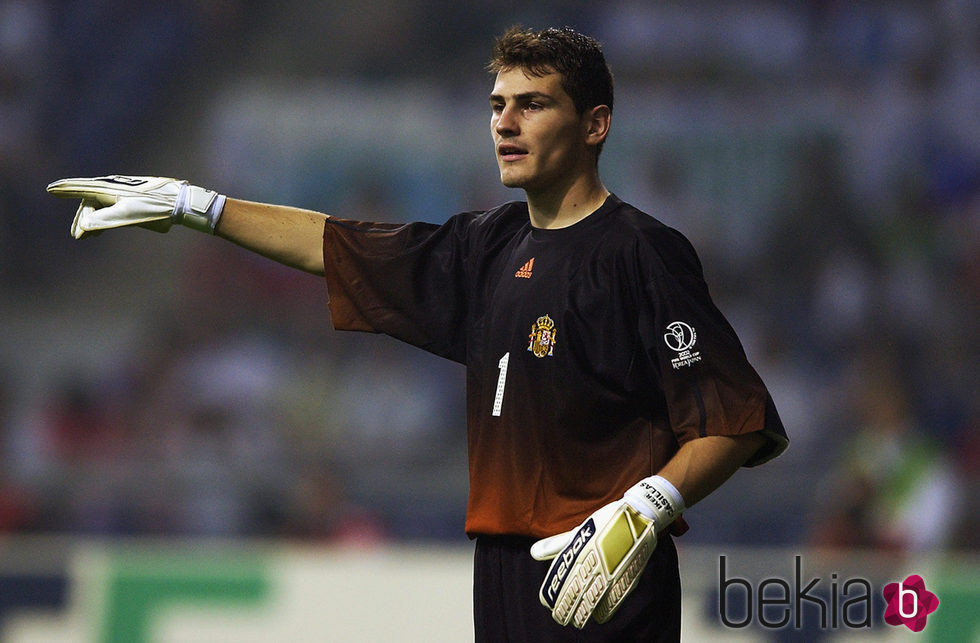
[505, 121]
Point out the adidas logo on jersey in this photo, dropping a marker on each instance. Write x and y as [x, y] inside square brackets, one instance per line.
[525, 270]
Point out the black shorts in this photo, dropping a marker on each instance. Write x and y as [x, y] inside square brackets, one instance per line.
[506, 607]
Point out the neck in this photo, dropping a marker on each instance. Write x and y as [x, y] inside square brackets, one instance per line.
[563, 206]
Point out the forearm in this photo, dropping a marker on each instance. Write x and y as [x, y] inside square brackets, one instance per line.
[702, 465]
[291, 236]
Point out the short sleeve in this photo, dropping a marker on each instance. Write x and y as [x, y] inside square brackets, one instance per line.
[709, 385]
[406, 281]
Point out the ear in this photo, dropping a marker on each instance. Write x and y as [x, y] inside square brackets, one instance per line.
[596, 122]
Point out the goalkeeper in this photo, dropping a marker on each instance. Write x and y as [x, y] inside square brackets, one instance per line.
[605, 391]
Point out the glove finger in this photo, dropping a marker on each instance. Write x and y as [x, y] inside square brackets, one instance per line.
[548, 548]
[91, 217]
[108, 189]
[78, 224]
[83, 189]
[95, 198]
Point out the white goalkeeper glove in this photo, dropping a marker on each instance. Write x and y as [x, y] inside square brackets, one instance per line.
[152, 202]
[596, 565]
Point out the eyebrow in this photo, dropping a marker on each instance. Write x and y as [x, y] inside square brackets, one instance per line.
[526, 96]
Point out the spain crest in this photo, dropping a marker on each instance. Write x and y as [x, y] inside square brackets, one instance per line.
[542, 337]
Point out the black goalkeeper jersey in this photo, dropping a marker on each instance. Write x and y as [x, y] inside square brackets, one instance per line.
[591, 351]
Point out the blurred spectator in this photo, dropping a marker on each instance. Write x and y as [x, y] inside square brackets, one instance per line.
[317, 509]
[18, 508]
[966, 451]
[894, 488]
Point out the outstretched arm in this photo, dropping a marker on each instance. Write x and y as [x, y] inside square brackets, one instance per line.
[291, 236]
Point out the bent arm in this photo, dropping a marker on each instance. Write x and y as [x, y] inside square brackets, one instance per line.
[291, 236]
[703, 464]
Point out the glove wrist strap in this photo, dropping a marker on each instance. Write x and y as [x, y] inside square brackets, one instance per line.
[657, 499]
[198, 208]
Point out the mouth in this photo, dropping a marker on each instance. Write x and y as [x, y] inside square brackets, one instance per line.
[508, 152]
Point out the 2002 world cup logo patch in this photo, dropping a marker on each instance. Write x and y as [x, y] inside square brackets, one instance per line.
[542, 337]
[681, 337]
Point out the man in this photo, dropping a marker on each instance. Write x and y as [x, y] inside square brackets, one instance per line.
[605, 392]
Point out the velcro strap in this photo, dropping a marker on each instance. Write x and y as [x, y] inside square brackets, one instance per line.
[199, 208]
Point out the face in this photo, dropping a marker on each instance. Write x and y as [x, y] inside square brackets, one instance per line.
[539, 138]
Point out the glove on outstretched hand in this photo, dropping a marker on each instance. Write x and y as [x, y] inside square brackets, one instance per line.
[152, 202]
[595, 566]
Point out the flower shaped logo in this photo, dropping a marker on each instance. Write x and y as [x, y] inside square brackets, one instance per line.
[909, 603]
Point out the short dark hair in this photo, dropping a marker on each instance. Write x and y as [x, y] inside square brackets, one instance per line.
[586, 77]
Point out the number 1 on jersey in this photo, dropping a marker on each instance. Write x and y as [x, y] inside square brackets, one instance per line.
[498, 398]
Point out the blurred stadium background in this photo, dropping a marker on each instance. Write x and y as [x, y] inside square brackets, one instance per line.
[172, 403]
